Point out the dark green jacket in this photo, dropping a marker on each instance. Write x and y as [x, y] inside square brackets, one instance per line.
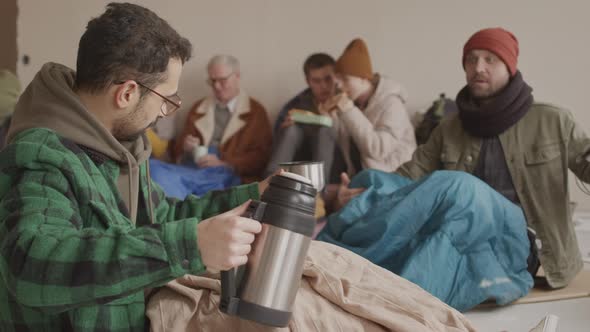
[539, 149]
[70, 256]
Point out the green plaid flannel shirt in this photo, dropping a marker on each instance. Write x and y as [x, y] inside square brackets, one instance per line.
[71, 259]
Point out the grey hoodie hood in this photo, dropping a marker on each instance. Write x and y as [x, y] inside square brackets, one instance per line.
[50, 102]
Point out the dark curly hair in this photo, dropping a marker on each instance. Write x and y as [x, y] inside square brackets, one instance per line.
[127, 42]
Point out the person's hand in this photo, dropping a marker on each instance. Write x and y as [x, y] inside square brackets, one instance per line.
[327, 106]
[209, 160]
[225, 240]
[345, 194]
[337, 102]
[287, 121]
[190, 142]
[262, 185]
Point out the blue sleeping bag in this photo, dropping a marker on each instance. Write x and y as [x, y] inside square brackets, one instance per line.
[449, 232]
[179, 181]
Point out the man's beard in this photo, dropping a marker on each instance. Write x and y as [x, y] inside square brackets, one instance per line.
[484, 98]
[133, 136]
[488, 93]
[120, 131]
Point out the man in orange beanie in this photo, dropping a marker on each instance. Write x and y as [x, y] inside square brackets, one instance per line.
[372, 124]
[521, 148]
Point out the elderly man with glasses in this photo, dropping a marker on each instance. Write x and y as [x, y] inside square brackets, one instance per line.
[231, 126]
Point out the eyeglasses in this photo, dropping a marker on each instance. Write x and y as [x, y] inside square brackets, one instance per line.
[221, 80]
[170, 104]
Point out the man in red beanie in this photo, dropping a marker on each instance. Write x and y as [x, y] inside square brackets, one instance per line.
[521, 148]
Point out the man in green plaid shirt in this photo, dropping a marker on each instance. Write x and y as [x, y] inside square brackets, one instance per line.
[84, 234]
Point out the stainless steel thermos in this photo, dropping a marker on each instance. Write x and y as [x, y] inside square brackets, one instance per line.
[264, 289]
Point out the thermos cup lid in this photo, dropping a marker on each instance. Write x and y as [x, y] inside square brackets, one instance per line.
[296, 177]
[290, 203]
[295, 182]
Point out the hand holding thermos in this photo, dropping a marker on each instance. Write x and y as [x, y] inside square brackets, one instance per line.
[225, 240]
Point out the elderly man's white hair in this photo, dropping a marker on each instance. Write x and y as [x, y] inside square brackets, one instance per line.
[228, 60]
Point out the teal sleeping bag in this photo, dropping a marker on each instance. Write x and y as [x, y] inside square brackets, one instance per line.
[449, 233]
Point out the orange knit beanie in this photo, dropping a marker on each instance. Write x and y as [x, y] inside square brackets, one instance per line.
[355, 60]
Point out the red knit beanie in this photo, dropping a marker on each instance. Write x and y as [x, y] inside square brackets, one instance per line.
[497, 40]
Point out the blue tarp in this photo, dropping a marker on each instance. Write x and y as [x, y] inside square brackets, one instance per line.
[449, 232]
[179, 181]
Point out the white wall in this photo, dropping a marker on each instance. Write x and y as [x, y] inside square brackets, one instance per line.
[417, 42]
